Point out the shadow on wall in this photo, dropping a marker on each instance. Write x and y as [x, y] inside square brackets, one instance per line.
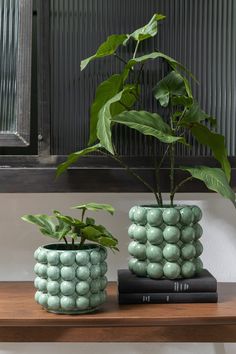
[219, 236]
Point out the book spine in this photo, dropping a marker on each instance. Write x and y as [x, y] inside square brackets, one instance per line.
[165, 286]
[163, 298]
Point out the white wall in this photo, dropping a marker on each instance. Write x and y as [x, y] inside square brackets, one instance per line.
[19, 240]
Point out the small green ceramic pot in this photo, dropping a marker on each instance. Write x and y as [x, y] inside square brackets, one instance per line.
[165, 241]
[70, 281]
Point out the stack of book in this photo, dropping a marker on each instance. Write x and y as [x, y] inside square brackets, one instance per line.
[137, 290]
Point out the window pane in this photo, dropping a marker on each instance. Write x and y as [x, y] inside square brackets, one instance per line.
[15, 71]
[8, 59]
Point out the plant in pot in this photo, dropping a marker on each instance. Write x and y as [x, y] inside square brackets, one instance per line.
[165, 237]
[71, 275]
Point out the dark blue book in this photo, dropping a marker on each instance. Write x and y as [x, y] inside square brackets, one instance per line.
[130, 283]
[165, 298]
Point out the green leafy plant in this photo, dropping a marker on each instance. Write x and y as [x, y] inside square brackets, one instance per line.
[63, 227]
[114, 104]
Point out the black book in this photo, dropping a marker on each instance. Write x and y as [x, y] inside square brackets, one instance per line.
[163, 298]
[130, 283]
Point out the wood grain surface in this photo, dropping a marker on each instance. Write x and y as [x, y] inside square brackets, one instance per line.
[22, 320]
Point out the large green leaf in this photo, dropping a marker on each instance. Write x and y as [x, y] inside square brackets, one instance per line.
[95, 207]
[152, 56]
[185, 101]
[73, 222]
[72, 158]
[90, 221]
[171, 85]
[216, 142]
[106, 90]
[107, 48]
[38, 219]
[62, 229]
[107, 242]
[214, 178]
[130, 96]
[148, 124]
[92, 233]
[149, 30]
[110, 109]
[103, 230]
[45, 224]
[42, 221]
[195, 115]
[107, 239]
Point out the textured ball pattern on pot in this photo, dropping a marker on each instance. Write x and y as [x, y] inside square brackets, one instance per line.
[165, 241]
[70, 281]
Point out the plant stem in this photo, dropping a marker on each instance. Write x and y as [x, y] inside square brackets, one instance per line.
[120, 58]
[82, 238]
[134, 174]
[136, 49]
[139, 74]
[157, 174]
[73, 229]
[82, 241]
[172, 164]
[65, 240]
[181, 184]
[180, 118]
[157, 178]
[82, 215]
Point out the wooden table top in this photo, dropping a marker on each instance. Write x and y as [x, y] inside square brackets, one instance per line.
[114, 322]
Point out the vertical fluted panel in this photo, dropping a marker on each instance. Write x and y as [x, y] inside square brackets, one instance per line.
[199, 33]
[8, 62]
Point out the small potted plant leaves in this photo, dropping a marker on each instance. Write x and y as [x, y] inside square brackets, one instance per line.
[71, 274]
[165, 236]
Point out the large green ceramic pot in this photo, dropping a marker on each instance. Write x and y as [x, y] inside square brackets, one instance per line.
[70, 281]
[165, 241]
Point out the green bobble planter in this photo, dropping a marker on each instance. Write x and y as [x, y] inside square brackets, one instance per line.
[165, 241]
[70, 281]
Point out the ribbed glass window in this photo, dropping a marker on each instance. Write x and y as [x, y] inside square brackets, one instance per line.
[8, 64]
[15, 71]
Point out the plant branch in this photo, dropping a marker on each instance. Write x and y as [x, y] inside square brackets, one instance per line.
[120, 58]
[65, 240]
[172, 171]
[83, 213]
[172, 164]
[73, 229]
[136, 49]
[82, 241]
[180, 118]
[157, 173]
[131, 172]
[134, 174]
[181, 184]
[139, 75]
[157, 178]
